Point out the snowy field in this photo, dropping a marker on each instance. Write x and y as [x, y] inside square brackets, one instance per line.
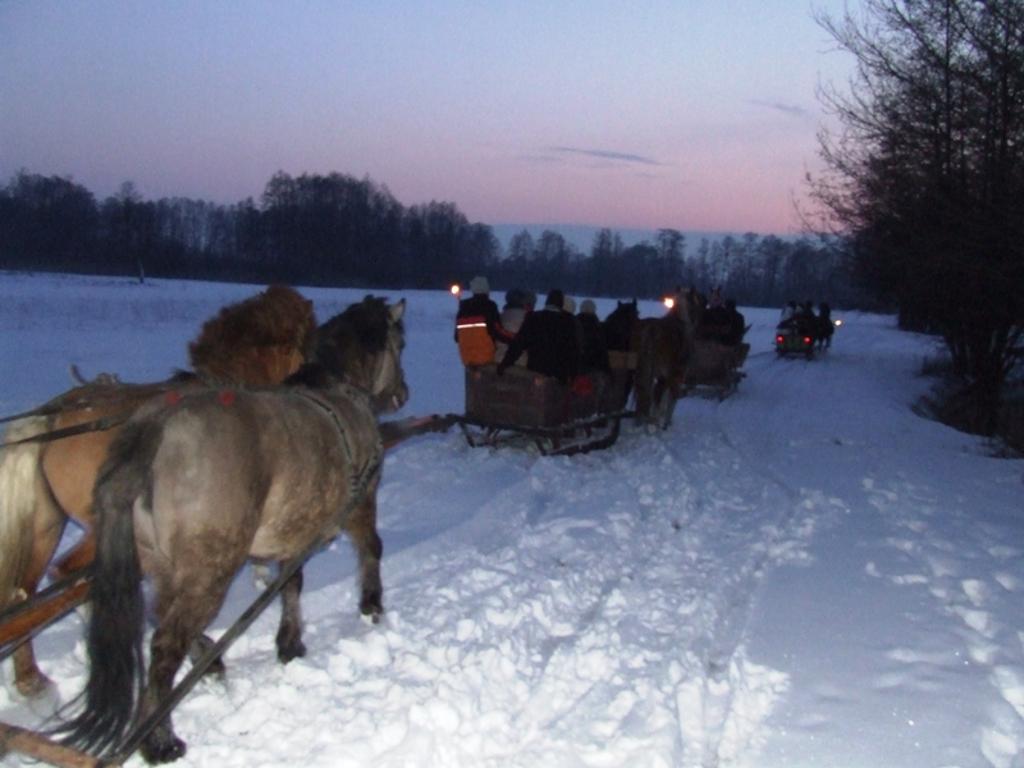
[804, 575]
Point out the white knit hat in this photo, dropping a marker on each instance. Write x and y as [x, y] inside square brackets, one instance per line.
[479, 284]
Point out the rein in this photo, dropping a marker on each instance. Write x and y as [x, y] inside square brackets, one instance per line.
[43, 410]
[99, 425]
[49, 409]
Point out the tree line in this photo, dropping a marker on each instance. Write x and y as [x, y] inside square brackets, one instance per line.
[338, 230]
[310, 229]
[755, 270]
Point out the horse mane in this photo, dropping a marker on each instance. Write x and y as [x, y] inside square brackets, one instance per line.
[258, 341]
[347, 337]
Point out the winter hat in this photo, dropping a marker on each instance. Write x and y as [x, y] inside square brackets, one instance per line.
[479, 284]
[555, 299]
[587, 307]
[515, 298]
[569, 305]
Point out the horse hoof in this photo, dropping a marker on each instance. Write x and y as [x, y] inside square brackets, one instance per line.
[293, 651]
[370, 606]
[45, 702]
[35, 687]
[216, 669]
[163, 751]
[373, 616]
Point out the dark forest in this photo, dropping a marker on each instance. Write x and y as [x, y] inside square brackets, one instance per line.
[339, 230]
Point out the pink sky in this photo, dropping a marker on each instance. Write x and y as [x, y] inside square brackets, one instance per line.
[689, 114]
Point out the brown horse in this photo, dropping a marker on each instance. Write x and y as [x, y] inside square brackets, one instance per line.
[259, 341]
[304, 463]
[664, 346]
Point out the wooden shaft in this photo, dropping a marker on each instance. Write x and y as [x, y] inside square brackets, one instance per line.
[35, 745]
[394, 432]
[40, 613]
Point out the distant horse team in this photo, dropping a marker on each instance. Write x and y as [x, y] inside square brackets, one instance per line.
[288, 410]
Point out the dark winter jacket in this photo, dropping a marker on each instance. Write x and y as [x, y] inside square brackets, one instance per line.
[550, 337]
[594, 353]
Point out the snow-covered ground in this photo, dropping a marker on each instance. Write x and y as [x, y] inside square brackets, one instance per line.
[806, 574]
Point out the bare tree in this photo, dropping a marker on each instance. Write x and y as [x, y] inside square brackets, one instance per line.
[927, 174]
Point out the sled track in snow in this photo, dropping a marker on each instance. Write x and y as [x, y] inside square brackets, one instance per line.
[717, 710]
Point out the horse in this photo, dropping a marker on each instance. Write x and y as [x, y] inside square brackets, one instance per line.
[664, 347]
[620, 326]
[304, 462]
[258, 341]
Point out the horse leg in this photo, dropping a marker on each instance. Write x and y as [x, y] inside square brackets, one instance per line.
[663, 402]
[643, 401]
[48, 526]
[183, 612]
[198, 648]
[289, 633]
[671, 395]
[167, 651]
[362, 529]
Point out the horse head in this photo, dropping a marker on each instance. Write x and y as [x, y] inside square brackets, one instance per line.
[620, 325]
[363, 346]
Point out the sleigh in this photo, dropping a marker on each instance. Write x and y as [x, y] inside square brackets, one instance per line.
[714, 368]
[795, 337]
[522, 408]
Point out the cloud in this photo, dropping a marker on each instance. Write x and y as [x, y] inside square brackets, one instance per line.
[789, 109]
[539, 159]
[605, 154]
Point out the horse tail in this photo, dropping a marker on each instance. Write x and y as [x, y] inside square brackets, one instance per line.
[114, 635]
[21, 485]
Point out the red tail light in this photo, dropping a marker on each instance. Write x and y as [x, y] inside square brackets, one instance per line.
[780, 339]
[807, 339]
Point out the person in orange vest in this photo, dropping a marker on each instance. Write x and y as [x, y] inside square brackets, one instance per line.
[477, 325]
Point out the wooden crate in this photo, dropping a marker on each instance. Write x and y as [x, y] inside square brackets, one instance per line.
[518, 397]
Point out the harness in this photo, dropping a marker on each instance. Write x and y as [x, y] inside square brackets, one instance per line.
[358, 479]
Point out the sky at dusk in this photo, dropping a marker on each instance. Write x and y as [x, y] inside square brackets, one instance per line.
[693, 114]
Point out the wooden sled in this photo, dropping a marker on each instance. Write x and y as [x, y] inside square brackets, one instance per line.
[523, 408]
[714, 368]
